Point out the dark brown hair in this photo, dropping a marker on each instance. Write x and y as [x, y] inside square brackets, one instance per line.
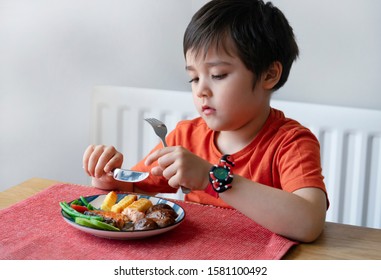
[260, 32]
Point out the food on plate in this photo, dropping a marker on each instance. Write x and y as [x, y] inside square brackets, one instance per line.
[129, 214]
[95, 224]
[142, 205]
[137, 209]
[162, 217]
[133, 214]
[74, 213]
[163, 207]
[85, 203]
[116, 219]
[123, 203]
[79, 208]
[109, 201]
[145, 223]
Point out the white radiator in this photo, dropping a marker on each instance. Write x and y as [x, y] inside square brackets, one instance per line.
[350, 141]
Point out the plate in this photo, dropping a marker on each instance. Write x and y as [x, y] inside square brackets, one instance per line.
[96, 201]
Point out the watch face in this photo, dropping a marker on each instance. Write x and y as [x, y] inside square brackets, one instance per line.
[221, 173]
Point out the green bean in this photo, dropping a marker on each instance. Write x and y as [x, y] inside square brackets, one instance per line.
[87, 204]
[73, 213]
[95, 224]
[76, 202]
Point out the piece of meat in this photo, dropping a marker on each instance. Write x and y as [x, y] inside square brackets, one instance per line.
[133, 214]
[145, 224]
[116, 219]
[163, 206]
[163, 217]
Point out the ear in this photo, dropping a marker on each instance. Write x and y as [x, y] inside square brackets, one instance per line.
[272, 75]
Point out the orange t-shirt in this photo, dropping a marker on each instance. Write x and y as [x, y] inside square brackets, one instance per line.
[283, 155]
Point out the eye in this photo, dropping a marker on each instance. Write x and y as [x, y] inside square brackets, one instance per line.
[194, 80]
[219, 77]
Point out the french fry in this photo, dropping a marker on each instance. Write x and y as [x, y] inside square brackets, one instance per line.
[123, 203]
[109, 201]
[141, 205]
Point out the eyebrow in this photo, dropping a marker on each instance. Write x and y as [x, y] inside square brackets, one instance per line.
[209, 65]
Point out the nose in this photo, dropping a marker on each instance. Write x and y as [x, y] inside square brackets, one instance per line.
[202, 90]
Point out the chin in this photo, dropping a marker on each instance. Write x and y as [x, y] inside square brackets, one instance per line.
[213, 124]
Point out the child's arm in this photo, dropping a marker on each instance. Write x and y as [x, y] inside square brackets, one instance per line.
[299, 215]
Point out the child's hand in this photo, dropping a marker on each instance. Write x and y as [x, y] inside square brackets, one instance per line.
[99, 161]
[180, 167]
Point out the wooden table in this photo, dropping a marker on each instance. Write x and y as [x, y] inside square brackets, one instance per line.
[338, 241]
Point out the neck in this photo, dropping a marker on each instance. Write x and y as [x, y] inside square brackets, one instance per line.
[230, 142]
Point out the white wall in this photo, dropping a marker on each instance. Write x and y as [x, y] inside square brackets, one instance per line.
[340, 59]
[53, 52]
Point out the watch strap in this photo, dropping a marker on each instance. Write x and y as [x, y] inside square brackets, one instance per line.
[221, 175]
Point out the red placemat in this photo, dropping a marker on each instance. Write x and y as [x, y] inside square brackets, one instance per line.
[34, 229]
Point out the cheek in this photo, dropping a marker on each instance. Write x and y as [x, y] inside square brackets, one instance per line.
[229, 99]
[237, 106]
[197, 103]
[226, 104]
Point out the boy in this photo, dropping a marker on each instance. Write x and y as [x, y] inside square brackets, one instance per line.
[237, 53]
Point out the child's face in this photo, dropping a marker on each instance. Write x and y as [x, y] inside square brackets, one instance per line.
[224, 92]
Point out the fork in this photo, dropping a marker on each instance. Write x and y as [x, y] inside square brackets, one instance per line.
[161, 130]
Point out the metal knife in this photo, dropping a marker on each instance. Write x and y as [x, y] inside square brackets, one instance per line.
[129, 175]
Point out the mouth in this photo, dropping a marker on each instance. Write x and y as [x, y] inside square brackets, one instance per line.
[207, 110]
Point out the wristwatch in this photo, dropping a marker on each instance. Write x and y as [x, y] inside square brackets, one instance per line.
[220, 175]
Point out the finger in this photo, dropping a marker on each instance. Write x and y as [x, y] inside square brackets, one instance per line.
[86, 158]
[169, 172]
[115, 162]
[174, 182]
[104, 158]
[151, 158]
[154, 156]
[93, 159]
[157, 171]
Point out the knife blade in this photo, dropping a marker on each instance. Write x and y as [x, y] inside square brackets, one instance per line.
[126, 175]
